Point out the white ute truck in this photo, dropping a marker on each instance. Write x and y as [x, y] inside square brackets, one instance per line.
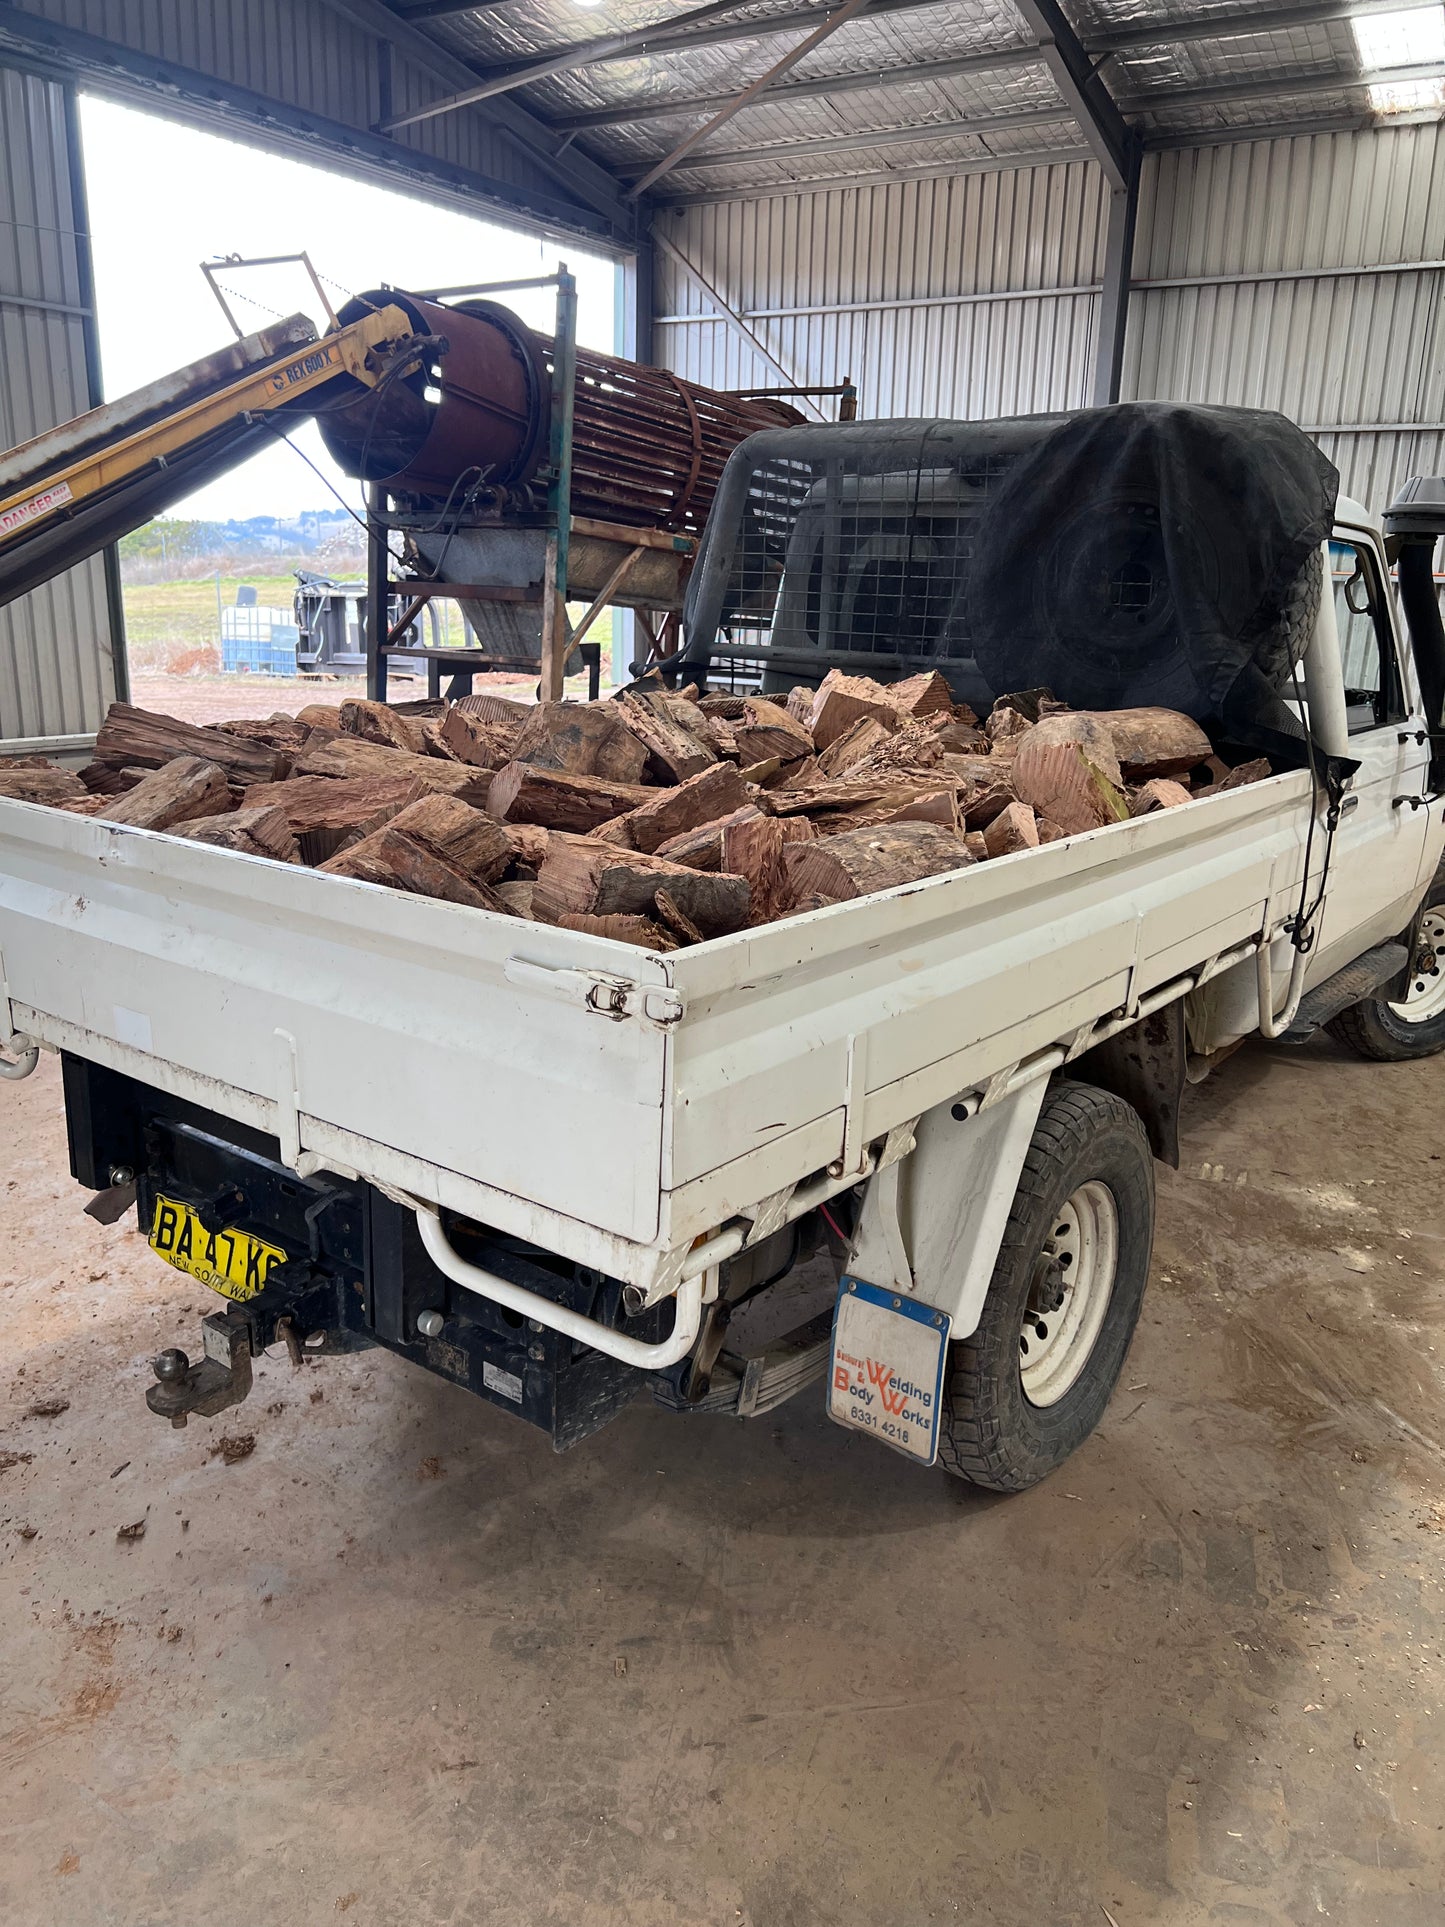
[562, 1171]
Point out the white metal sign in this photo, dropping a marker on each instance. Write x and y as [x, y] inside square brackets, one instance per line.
[886, 1375]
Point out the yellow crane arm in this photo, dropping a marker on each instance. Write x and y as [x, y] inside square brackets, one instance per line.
[364, 350]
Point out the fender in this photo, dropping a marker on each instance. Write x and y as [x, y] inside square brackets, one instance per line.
[932, 1224]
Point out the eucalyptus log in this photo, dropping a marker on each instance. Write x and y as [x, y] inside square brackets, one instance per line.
[132, 738]
[254, 832]
[51, 784]
[713, 793]
[467, 839]
[842, 701]
[754, 849]
[926, 694]
[522, 793]
[475, 739]
[347, 757]
[322, 812]
[1155, 742]
[1090, 730]
[184, 789]
[375, 723]
[1014, 828]
[589, 877]
[1060, 782]
[1159, 793]
[701, 849]
[645, 931]
[402, 862]
[858, 863]
[673, 753]
[767, 730]
[585, 739]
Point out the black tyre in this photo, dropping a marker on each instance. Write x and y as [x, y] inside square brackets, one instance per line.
[1032, 1382]
[1414, 1025]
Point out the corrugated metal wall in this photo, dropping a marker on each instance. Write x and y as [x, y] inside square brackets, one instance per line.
[972, 296]
[968, 296]
[1258, 241]
[58, 650]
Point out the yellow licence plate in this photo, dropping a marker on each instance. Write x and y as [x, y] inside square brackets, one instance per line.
[230, 1262]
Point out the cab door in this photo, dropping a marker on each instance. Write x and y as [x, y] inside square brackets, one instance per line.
[1380, 843]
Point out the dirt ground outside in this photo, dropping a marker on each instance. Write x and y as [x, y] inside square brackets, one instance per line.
[398, 1663]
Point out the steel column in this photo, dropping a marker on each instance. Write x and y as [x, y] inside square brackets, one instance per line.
[1113, 309]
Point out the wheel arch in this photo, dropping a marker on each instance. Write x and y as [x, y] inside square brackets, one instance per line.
[1144, 1065]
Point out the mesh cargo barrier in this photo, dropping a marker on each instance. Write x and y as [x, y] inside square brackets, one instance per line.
[1150, 553]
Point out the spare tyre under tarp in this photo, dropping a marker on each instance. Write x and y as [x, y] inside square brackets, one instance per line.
[1156, 553]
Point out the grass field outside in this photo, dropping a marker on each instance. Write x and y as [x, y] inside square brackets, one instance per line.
[173, 639]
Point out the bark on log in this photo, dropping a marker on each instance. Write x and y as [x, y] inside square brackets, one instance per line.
[673, 754]
[475, 740]
[347, 757]
[276, 732]
[581, 875]
[1236, 778]
[50, 785]
[522, 793]
[516, 897]
[467, 839]
[320, 716]
[1155, 742]
[401, 862]
[713, 793]
[644, 931]
[375, 723]
[184, 789]
[254, 832]
[679, 925]
[860, 862]
[1014, 828]
[585, 739]
[842, 701]
[142, 738]
[324, 812]
[701, 849]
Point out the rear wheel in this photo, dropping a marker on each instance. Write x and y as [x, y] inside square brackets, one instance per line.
[1032, 1382]
[1389, 1032]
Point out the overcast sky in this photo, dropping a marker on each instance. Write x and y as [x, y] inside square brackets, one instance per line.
[163, 198]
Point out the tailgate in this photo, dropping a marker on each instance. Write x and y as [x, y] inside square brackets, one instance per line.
[314, 1005]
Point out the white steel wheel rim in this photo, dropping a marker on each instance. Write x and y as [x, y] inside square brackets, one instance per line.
[1054, 1346]
[1425, 997]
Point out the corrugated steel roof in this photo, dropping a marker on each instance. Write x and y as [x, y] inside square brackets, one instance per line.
[1225, 73]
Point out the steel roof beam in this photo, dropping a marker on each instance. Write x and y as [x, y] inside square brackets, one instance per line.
[578, 173]
[1215, 93]
[944, 130]
[750, 93]
[1244, 22]
[875, 79]
[1089, 100]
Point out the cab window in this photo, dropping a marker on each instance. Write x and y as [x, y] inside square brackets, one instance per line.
[1373, 695]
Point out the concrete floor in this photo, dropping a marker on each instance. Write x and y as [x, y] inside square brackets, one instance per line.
[401, 1665]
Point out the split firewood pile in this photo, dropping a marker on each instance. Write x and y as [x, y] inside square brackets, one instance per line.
[656, 817]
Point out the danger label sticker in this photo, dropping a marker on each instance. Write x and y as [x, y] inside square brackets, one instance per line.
[20, 513]
[886, 1373]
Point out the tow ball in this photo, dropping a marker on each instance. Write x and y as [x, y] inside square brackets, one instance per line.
[220, 1378]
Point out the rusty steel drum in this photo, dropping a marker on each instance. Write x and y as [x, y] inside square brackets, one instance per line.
[648, 448]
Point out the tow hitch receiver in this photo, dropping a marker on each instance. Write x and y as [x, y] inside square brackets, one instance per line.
[222, 1378]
